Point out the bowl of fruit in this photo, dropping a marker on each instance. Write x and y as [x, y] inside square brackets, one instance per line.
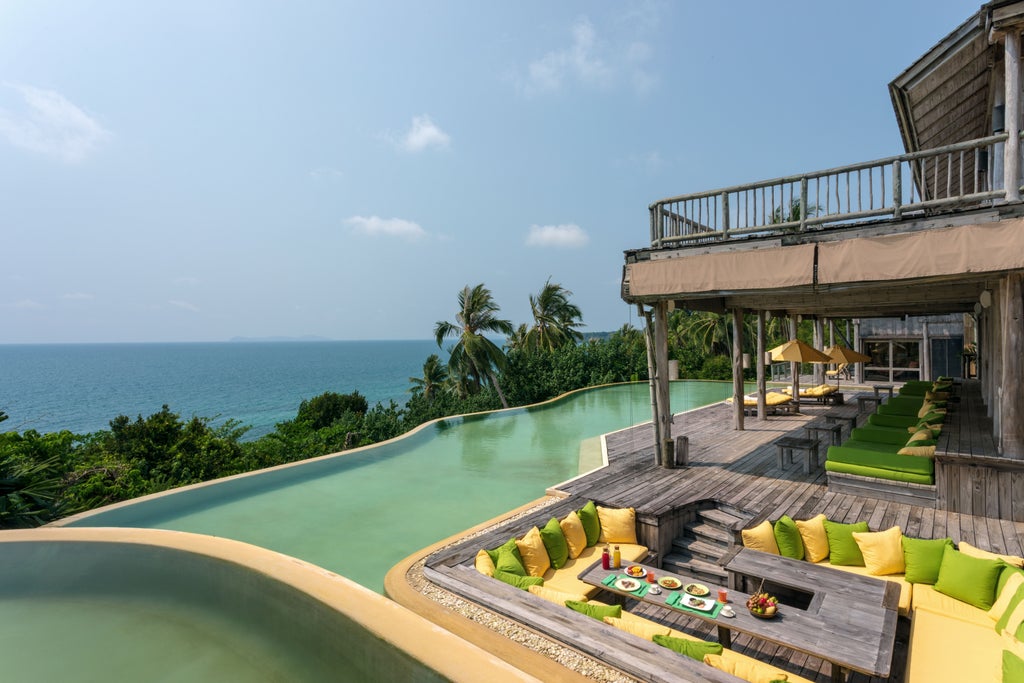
[763, 606]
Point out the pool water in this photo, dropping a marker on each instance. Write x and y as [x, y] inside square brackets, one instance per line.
[359, 514]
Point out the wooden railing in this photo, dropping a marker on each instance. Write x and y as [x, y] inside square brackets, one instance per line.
[948, 177]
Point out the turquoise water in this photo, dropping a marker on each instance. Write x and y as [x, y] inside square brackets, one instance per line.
[359, 514]
[81, 387]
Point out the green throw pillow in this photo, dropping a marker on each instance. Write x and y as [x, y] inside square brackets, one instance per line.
[518, 581]
[1005, 618]
[509, 545]
[923, 557]
[691, 648]
[591, 523]
[598, 612]
[1013, 668]
[843, 551]
[555, 543]
[787, 537]
[932, 418]
[969, 579]
[510, 562]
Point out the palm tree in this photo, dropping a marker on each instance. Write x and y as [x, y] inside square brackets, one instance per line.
[555, 318]
[794, 213]
[434, 376]
[474, 352]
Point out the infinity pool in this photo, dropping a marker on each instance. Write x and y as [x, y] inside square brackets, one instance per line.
[358, 514]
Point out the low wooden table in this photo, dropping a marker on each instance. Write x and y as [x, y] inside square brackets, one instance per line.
[879, 388]
[787, 444]
[834, 430]
[835, 419]
[851, 620]
[864, 401]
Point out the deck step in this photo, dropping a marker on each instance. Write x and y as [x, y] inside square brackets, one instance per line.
[711, 533]
[699, 549]
[722, 518]
[689, 566]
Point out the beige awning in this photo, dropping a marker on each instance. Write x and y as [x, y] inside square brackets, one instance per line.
[724, 271]
[928, 253]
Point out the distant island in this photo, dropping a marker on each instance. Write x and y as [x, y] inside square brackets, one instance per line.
[306, 338]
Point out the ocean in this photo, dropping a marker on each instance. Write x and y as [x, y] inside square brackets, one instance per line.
[82, 387]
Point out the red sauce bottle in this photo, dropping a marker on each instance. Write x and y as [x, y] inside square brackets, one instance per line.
[606, 559]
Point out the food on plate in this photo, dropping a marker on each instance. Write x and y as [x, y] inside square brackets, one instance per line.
[670, 582]
[697, 589]
[634, 570]
[627, 584]
[696, 602]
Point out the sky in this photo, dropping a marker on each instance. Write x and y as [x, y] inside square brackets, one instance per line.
[197, 171]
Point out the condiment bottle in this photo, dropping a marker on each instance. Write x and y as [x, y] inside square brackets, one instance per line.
[606, 559]
[617, 558]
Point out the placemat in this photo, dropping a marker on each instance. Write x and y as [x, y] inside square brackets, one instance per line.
[674, 601]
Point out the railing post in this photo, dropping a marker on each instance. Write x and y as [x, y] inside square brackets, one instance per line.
[725, 215]
[897, 189]
[655, 220]
[1011, 152]
[803, 203]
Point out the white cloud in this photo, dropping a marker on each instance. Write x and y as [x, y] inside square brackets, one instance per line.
[387, 227]
[567, 236]
[424, 133]
[184, 305]
[78, 296]
[51, 125]
[591, 62]
[28, 304]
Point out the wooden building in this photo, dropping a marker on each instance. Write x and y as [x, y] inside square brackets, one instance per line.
[936, 230]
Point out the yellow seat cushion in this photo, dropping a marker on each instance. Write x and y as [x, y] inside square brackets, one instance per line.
[968, 549]
[944, 649]
[575, 535]
[535, 555]
[638, 626]
[907, 589]
[882, 551]
[774, 398]
[565, 580]
[484, 564]
[618, 525]
[812, 533]
[556, 596]
[749, 669]
[927, 599]
[761, 537]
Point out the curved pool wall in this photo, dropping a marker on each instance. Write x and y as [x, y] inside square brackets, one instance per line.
[137, 605]
[359, 512]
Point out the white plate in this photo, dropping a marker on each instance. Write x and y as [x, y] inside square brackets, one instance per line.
[628, 585]
[627, 572]
[702, 604]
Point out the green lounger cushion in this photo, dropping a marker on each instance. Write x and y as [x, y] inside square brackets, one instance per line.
[893, 420]
[891, 475]
[879, 460]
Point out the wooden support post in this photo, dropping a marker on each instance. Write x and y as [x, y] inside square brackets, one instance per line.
[819, 340]
[737, 368]
[762, 382]
[661, 362]
[1011, 152]
[652, 373]
[794, 368]
[1012, 401]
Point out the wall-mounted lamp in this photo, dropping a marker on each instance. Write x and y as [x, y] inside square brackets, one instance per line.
[985, 299]
[977, 309]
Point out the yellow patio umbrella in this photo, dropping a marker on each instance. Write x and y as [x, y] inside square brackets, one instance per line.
[796, 351]
[844, 354]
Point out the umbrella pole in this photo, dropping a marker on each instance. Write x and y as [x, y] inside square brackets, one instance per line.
[794, 369]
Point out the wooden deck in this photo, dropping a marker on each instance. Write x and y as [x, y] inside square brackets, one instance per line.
[738, 469]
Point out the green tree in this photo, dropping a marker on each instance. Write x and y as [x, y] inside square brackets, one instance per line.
[434, 376]
[324, 410]
[474, 355]
[555, 319]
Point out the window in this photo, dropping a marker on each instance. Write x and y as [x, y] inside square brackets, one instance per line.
[892, 360]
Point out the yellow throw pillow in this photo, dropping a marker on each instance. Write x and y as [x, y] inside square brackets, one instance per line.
[882, 551]
[925, 451]
[535, 555]
[761, 537]
[575, 534]
[921, 435]
[484, 564]
[812, 533]
[643, 628]
[968, 549]
[747, 668]
[556, 596]
[1002, 602]
[618, 525]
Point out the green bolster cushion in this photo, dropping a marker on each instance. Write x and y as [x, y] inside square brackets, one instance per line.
[892, 420]
[555, 543]
[523, 582]
[879, 435]
[891, 475]
[843, 550]
[598, 612]
[691, 648]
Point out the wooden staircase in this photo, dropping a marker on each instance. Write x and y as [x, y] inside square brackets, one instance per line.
[705, 540]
